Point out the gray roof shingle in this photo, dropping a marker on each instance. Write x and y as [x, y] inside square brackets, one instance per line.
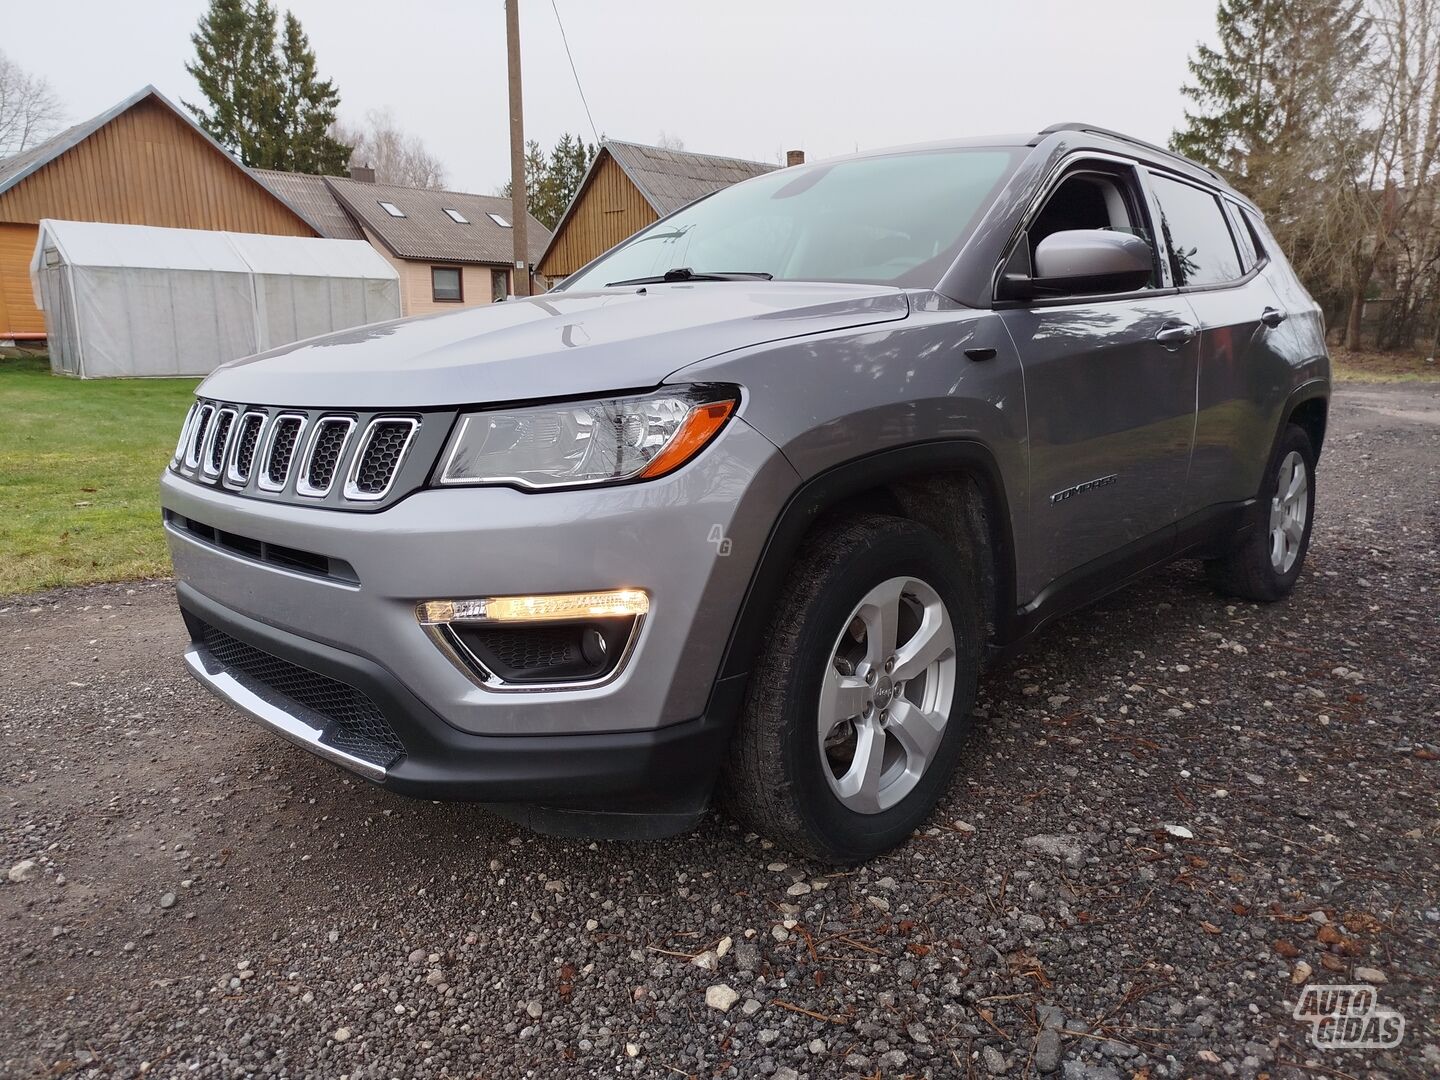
[669, 179]
[311, 198]
[427, 232]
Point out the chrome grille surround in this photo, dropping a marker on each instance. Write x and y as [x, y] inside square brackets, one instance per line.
[248, 439]
[280, 448]
[350, 459]
[217, 440]
[182, 442]
[323, 455]
[195, 446]
[379, 457]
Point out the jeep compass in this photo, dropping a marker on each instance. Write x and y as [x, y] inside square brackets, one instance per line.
[740, 509]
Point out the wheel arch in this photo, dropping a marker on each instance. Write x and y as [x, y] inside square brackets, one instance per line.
[953, 486]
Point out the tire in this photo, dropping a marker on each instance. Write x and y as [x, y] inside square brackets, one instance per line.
[833, 803]
[1259, 570]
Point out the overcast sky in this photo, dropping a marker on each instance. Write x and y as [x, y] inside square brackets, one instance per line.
[746, 78]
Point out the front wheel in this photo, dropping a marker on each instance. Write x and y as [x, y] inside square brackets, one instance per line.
[1265, 567]
[857, 707]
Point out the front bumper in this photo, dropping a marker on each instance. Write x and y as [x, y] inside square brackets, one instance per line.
[644, 734]
[668, 770]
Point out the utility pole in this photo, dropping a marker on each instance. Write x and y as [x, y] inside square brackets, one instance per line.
[519, 215]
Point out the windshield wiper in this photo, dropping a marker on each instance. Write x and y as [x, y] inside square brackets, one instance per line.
[684, 273]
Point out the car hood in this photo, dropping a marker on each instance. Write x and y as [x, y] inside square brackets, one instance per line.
[554, 345]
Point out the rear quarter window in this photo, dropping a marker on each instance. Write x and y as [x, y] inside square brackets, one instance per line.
[1201, 249]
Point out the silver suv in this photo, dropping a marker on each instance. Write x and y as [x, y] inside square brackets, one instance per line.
[742, 508]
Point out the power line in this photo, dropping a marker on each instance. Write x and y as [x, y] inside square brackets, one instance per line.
[563, 38]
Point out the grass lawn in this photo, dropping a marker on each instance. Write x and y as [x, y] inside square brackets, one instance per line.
[79, 468]
[1361, 366]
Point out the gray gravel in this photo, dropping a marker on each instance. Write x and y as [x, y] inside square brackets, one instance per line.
[1172, 808]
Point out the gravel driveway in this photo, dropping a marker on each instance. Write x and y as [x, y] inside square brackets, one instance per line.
[1173, 813]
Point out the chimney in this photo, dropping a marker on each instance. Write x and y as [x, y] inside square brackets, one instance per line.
[363, 173]
[794, 157]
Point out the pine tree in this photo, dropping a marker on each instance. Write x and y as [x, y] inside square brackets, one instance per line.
[551, 182]
[307, 106]
[1275, 109]
[224, 68]
[267, 104]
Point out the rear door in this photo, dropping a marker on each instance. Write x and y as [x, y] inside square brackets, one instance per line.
[1110, 394]
[1216, 259]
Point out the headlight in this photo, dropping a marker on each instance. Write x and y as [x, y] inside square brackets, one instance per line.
[587, 442]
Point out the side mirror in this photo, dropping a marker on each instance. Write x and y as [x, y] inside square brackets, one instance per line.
[1083, 261]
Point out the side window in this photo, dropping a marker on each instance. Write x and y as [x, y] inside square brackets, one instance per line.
[1087, 200]
[1202, 251]
[1244, 238]
[1091, 197]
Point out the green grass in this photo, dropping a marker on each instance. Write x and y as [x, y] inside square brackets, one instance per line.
[1360, 366]
[79, 468]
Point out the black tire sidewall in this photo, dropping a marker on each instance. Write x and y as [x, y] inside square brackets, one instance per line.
[906, 550]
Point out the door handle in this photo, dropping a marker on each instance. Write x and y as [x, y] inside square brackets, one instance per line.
[1272, 317]
[1176, 335]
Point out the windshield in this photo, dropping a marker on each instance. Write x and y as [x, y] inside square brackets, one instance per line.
[898, 220]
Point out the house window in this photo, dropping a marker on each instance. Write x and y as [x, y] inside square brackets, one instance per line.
[499, 284]
[447, 284]
[455, 215]
[390, 208]
[498, 220]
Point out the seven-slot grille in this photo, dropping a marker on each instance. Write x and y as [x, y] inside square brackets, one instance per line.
[335, 458]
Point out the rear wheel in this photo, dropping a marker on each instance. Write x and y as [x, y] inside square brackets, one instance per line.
[857, 706]
[1265, 567]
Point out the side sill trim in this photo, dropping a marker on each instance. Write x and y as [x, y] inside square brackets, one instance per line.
[255, 701]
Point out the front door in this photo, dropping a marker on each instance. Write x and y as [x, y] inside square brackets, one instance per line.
[1110, 395]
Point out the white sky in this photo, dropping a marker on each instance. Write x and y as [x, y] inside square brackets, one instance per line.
[746, 78]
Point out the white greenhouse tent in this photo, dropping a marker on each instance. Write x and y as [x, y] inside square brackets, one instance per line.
[137, 300]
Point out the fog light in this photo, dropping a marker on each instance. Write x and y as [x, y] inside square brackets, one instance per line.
[552, 607]
[555, 641]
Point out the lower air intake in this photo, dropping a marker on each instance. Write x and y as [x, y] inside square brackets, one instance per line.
[356, 724]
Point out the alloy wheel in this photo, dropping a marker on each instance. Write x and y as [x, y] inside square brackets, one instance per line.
[887, 693]
[1288, 511]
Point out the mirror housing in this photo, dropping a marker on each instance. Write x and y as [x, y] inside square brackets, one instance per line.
[1078, 262]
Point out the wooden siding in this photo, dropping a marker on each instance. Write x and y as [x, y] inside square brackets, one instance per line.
[149, 167]
[145, 167]
[417, 295]
[611, 209]
[18, 313]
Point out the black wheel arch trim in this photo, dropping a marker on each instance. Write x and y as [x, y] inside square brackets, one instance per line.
[831, 488]
[1310, 390]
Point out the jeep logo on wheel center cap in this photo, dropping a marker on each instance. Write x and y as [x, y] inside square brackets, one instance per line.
[884, 691]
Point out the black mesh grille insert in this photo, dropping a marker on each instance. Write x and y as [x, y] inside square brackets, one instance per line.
[357, 726]
[325, 454]
[202, 425]
[223, 420]
[382, 454]
[282, 449]
[532, 647]
[245, 449]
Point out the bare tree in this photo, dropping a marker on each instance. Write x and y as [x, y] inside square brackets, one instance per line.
[29, 109]
[666, 141]
[396, 156]
[1397, 198]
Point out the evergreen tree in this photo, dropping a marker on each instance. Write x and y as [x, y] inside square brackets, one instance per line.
[552, 182]
[1276, 108]
[267, 104]
[307, 105]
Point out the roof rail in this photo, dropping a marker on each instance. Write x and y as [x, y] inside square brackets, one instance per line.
[1095, 129]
